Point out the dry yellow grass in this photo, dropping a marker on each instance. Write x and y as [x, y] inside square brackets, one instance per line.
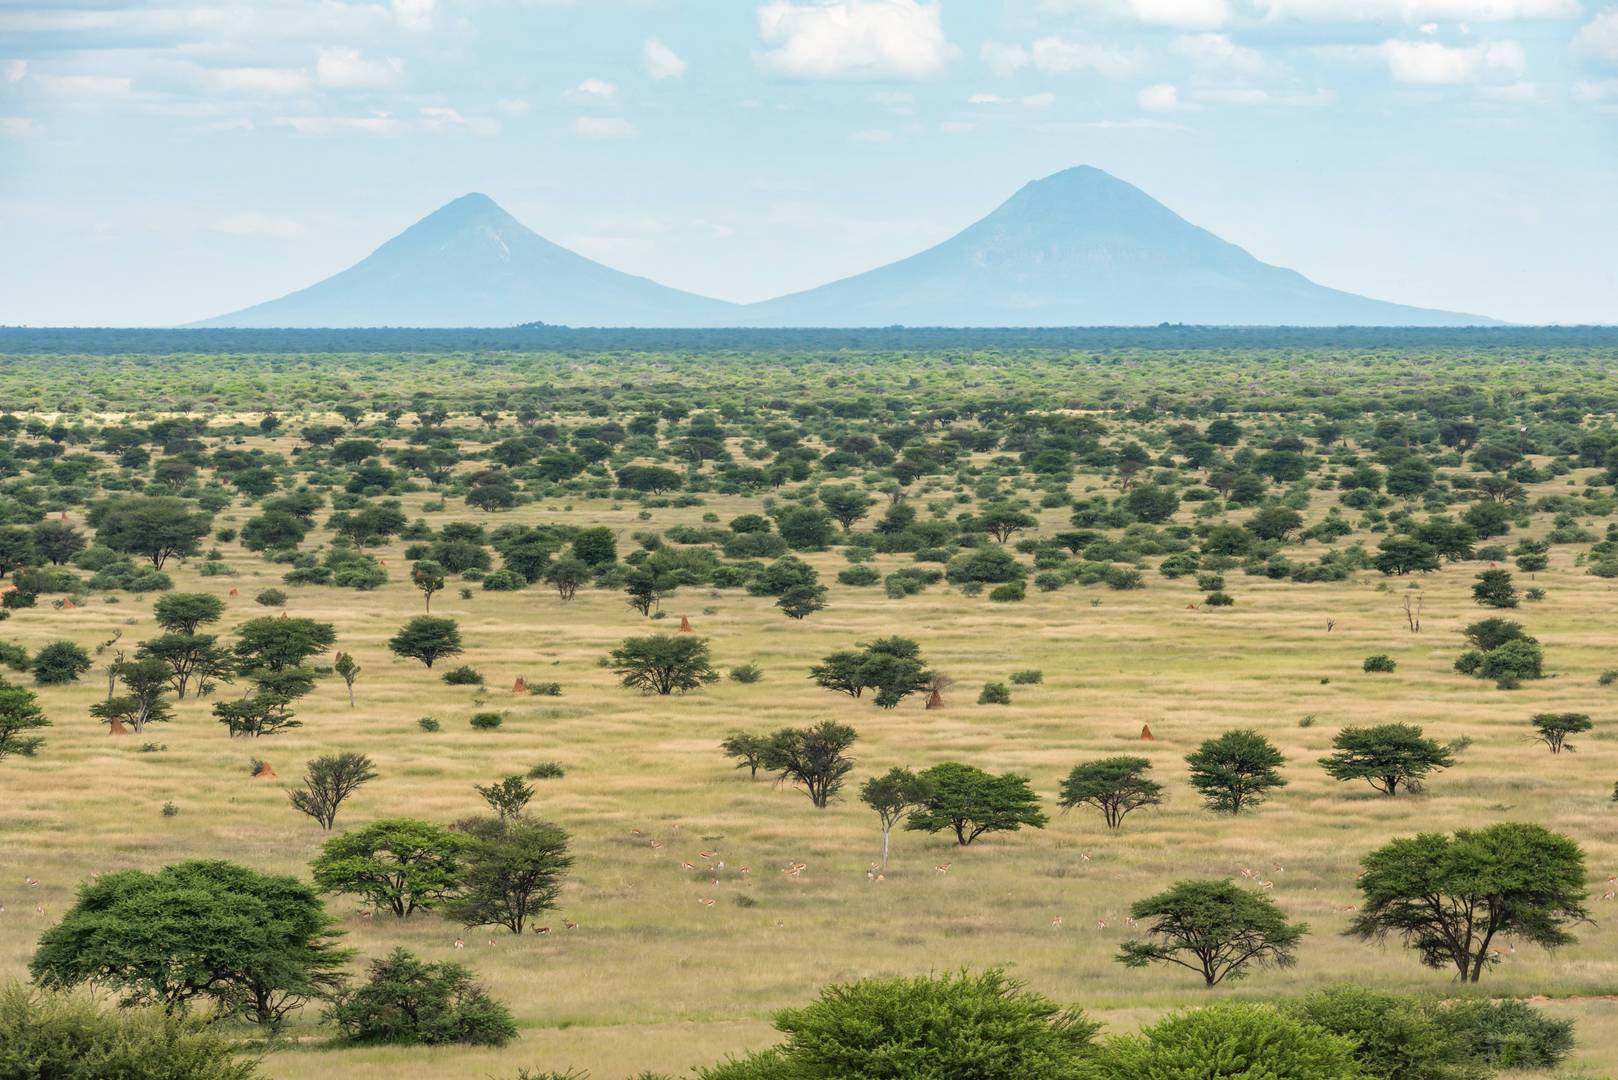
[654, 979]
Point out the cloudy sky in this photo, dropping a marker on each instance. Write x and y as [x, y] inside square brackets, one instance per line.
[170, 160]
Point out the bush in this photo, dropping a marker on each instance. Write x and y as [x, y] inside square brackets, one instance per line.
[465, 675]
[67, 1037]
[986, 1027]
[1398, 1038]
[407, 1000]
[487, 721]
[1509, 1034]
[1381, 663]
[59, 663]
[1010, 592]
[1230, 1040]
[746, 673]
[429, 723]
[1027, 678]
[15, 657]
[1219, 599]
[547, 770]
[504, 581]
[271, 598]
[994, 693]
[545, 689]
[859, 575]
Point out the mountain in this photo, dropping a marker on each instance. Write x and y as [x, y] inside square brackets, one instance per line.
[472, 264]
[1083, 248]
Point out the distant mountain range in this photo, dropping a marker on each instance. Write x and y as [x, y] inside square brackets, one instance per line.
[1080, 248]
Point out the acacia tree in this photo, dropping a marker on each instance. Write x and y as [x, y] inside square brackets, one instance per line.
[1215, 928]
[256, 945]
[1115, 786]
[1449, 897]
[663, 663]
[514, 870]
[893, 795]
[156, 527]
[1386, 756]
[747, 749]
[328, 781]
[145, 682]
[1552, 729]
[891, 666]
[814, 757]
[20, 715]
[183, 613]
[400, 864]
[428, 576]
[427, 638]
[347, 670]
[193, 660]
[1238, 769]
[508, 797]
[970, 802]
[566, 574]
[845, 503]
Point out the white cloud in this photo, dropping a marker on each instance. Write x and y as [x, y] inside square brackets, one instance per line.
[1218, 53]
[414, 14]
[957, 127]
[1595, 90]
[512, 107]
[875, 136]
[1002, 59]
[83, 87]
[15, 70]
[1030, 101]
[603, 127]
[1419, 10]
[19, 127]
[661, 61]
[1182, 14]
[830, 39]
[1252, 96]
[1599, 37]
[252, 223]
[376, 124]
[343, 67]
[1517, 93]
[593, 90]
[1161, 97]
[443, 120]
[258, 80]
[1428, 63]
[1056, 56]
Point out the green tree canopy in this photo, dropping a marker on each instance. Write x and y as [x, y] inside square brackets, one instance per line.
[398, 864]
[1216, 928]
[970, 802]
[1387, 756]
[1115, 786]
[1236, 770]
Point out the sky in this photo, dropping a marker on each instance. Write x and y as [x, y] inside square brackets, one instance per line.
[171, 160]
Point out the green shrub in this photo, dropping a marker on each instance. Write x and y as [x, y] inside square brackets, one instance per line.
[1219, 599]
[271, 598]
[986, 1027]
[545, 689]
[1381, 663]
[1397, 1038]
[859, 575]
[1509, 1034]
[429, 723]
[1234, 1040]
[1027, 678]
[487, 721]
[15, 657]
[504, 581]
[1010, 592]
[59, 663]
[547, 770]
[68, 1037]
[407, 1000]
[746, 673]
[465, 675]
[994, 693]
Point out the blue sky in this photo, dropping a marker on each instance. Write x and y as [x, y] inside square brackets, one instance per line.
[166, 161]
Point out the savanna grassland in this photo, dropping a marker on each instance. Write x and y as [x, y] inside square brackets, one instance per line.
[636, 971]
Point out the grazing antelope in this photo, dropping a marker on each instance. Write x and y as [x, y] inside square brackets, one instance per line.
[636, 832]
[367, 914]
[1608, 895]
[942, 868]
[1084, 856]
[570, 924]
[542, 930]
[1057, 921]
[1277, 867]
[687, 866]
[1130, 919]
[743, 869]
[707, 854]
[491, 943]
[656, 844]
[459, 944]
[707, 901]
[1101, 924]
[1266, 884]
[31, 882]
[39, 909]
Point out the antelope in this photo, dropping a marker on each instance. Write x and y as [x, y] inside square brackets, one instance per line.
[570, 924]
[459, 944]
[1101, 924]
[1608, 895]
[707, 854]
[1057, 921]
[1084, 856]
[542, 930]
[1130, 919]
[686, 866]
[1266, 884]
[942, 868]
[31, 882]
[367, 914]
[1247, 872]
[656, 844]
[706, 901]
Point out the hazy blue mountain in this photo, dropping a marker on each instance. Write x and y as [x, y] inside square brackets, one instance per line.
[1083, 248]
[472, 264]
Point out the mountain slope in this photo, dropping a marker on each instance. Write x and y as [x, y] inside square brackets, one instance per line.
[1083, 248]
[472, 264]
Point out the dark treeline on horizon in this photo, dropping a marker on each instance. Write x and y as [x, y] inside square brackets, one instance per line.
[119, 341]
